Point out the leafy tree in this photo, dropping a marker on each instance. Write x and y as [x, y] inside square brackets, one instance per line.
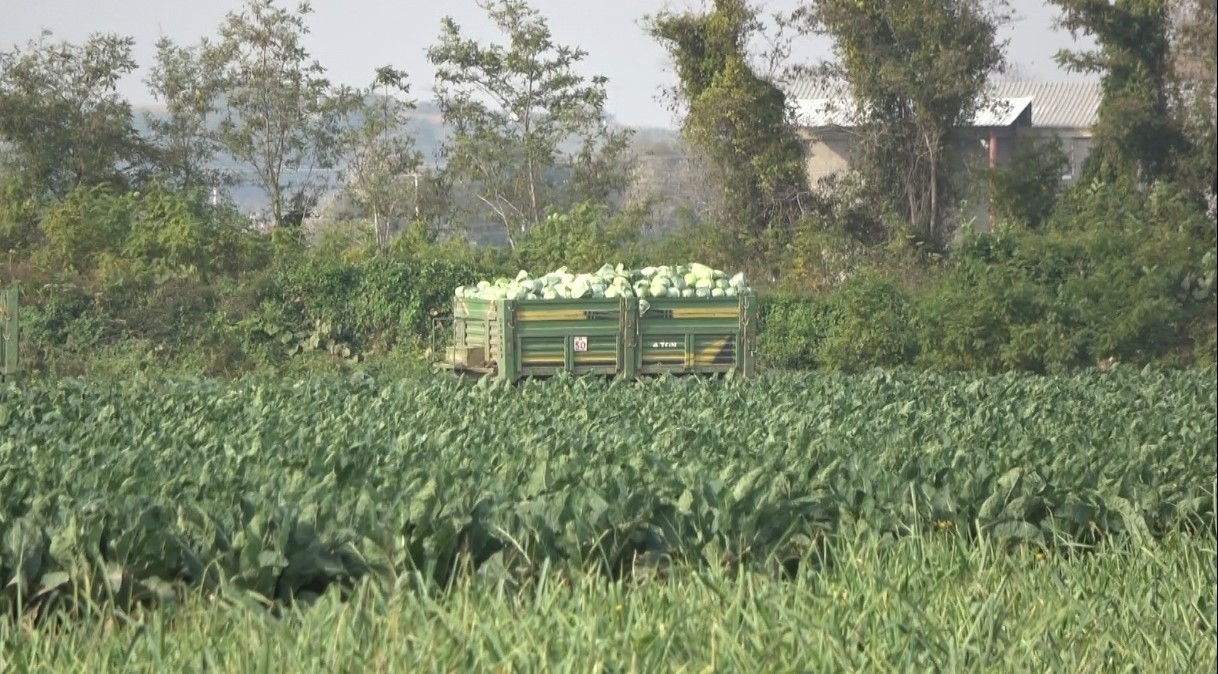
[19, 213]
[585, 237]
[1025, 190]
[282, 115]
[383, 164]
[513, 110]
[740, 121]
[62, 123]
[171, 229]
[1195, 64]
[129, 235]
[873, 324]
[1113, 273]
[1136, 136]
[87, 226]
[916, 71]
[1195, 47]
[186, 145]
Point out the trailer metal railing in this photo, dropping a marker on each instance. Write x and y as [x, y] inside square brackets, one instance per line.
[10, 337]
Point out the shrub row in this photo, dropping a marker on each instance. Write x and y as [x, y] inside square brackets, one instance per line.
[1116, 274]
[343, 310]
[1022, 301]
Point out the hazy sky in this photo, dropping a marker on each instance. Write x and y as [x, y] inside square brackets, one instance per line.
[353, 37]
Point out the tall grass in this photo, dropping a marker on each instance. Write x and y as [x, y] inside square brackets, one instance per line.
[922, 604]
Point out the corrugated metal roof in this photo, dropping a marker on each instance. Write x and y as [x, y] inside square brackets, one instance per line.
[814, 88]
[825, 112]
[1068, 105]
[822, 112]
[1072, 105]
[1002, 111]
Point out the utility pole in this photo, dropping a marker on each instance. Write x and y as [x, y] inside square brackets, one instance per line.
[415, 175]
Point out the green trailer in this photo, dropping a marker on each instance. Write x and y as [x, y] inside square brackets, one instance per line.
[9, 336]
[515, 339]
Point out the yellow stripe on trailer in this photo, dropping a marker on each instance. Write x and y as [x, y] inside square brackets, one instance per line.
[524, 315]
[610, 359]
[579, 359]
[542, 360]
[709, 354]
[705, 312]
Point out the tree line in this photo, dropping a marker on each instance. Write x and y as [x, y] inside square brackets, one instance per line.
[89, 202]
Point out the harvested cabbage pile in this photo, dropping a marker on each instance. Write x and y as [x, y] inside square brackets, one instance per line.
[692, 280]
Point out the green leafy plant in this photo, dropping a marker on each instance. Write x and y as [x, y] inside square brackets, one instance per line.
[876, 327]
[285, 488]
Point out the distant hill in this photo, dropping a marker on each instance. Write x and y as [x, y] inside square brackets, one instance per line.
[429, 132]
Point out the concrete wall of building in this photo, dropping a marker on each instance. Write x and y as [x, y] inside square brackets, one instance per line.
[828, 153]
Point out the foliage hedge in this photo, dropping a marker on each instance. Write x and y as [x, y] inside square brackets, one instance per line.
[1116, 273]
[351, 310]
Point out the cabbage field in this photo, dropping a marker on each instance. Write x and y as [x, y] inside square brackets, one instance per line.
[796, 522]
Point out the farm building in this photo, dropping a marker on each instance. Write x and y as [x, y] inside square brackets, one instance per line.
[1066, 110]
